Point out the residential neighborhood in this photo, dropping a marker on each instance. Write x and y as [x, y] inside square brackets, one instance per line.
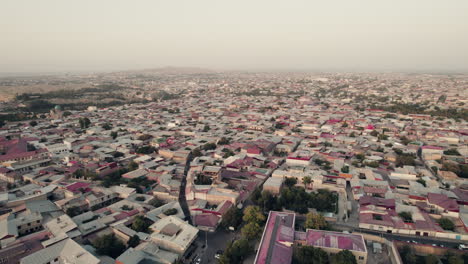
[240, 168]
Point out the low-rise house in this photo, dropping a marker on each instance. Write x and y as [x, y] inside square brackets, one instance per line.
[334, 242]
[63, 227]
[173, 234]
[147, 252]
[441, 204]
[9, 175]
[67, 251]
[279, 236]
[273, 185]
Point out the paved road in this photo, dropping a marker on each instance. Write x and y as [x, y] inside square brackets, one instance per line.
[182, 198]
[353, 218]
[385, 176]
[216, 241]
[422, 240]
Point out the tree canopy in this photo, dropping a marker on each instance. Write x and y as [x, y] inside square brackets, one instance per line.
[109, 245]
[236, 252]
[233, 217]
[446, 224]
[253, 214]
[141, 224]
[309, 254]
[316, 221]
[343, 257]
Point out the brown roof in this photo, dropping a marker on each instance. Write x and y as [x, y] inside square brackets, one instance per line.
[170, 229]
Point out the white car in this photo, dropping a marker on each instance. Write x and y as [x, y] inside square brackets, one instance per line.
[462, 247]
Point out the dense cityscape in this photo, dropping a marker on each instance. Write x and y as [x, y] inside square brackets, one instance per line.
[187, 165]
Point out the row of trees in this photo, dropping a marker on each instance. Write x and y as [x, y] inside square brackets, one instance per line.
[254, 220]
[460, 169]
[409, 257]
[409, 108]
[404, 159]
[296, 199]
[309, 254]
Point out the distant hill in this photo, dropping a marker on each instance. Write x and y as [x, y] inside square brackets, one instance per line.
[170, 70]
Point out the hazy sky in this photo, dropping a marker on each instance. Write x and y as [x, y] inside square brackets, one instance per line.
[89, 35]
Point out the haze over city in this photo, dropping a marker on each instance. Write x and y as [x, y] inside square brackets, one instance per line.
[233, 132]
[107, 35]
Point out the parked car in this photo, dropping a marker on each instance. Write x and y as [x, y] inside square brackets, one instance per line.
[218, 254]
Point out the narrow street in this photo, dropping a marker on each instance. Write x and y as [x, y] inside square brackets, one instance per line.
[354, 215]
[183, 184]
[390, 236]
[216, 241]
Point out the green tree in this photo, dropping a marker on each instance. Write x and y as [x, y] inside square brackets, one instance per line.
[343, 257]
[407, 255]
[253, 214]
[114, 134]
[431, 259]
[126, 207]
[109, 245]
[140, 198]
[309, 254]
[196, 152]
[463, 171]
[236, 252]
[133, 241]
[84, 122]
[202, 179]
[452, 152]
[224, 141]
[170, 211]
[360, 156]
[118, 154]
[256, 196]
[141, 224]
[446, 224]
[306, 181]
[268, 202]
[209, 146]
[404, 140]
[406, 216]
[452, 258]
[156, 203]
[315, 221]
[33, 123]
[132, 166]
[145, 137]
[421, 181]
[73, 211]
[251, 231]
[206, 128]
[233, 217]
[227, 153]
[405, 159]
[145, 150]
[345, 169]
[106, 126]
[290, 182]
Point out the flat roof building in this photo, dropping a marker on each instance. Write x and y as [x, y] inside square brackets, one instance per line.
[172, 233]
